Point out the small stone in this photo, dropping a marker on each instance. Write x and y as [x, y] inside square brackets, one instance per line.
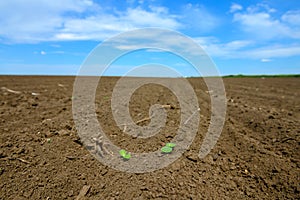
[144, 188]
[103, 172]
[276, 169]
[40, 184]
[209, 159]
[192, 157]
[215, 157]
[71, 193]
[20, 151]
[63, 132]
[271, 117]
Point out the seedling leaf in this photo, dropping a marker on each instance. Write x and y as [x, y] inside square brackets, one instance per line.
[122, 152]
[166, 149]
[172, 145]
[127, 156]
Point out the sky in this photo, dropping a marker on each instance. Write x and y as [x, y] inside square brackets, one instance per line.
[43, 37]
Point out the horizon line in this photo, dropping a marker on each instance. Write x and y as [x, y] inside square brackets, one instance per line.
[115, 76]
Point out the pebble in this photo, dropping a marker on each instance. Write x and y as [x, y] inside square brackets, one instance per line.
[192, 157]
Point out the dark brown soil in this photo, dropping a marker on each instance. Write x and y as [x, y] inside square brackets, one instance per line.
[256, 157]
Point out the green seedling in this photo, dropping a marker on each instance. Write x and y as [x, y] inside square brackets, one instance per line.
[172, 145]
[168, 148]
[124, 154]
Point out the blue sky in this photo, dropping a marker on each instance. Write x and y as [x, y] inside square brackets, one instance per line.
[242, 37]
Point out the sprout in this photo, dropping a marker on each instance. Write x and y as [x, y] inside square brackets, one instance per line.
[166, 149]
[127, 156]
[124, 154]
[172, 145]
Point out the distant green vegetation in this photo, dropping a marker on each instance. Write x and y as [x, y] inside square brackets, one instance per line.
[261, 76]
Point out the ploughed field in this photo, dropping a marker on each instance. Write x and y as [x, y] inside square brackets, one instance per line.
[256, 157]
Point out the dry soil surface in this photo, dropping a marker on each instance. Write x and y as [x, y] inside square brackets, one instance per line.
[256, 157]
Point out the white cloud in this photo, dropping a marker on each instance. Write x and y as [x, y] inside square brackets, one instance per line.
[198, 18]
[235, 49]
[154, 50]
[58, 20]
[34, 20]
[237, 44]
[274, 52]
[266, 60]
[230, 49]
[106, 25]
[246, 49]
[259, 22]
[235, 7]
[159, 17]
[260, 7]
[55, 45]
[292, 17]
[43, 20]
